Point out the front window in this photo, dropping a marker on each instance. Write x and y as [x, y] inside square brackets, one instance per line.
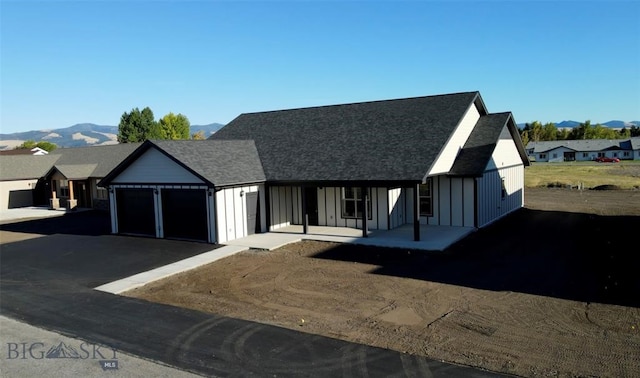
[352, 203]
[64, 188]
[426, 203]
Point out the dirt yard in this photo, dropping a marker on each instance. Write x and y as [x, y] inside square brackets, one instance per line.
[551, 290]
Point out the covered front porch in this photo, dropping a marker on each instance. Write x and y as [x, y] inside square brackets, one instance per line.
[434, 238]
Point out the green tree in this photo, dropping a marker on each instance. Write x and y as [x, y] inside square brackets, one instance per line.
[138, 126]
[174, 126]
[562, 134]
[199, 135]
[549, 131]
[624, 133]
[535, 131]
[581, 131]
[30, 144]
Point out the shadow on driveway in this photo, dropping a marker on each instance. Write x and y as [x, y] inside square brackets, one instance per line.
[92, 222]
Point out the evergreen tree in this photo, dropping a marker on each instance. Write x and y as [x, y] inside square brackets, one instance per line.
[138, 126]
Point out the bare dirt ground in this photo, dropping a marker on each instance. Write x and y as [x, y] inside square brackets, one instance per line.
[551, 290]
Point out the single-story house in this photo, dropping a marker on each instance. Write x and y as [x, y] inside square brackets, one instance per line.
[21, 181]
[73, 179]
[434, 160]
[584, 149]
[65, 178]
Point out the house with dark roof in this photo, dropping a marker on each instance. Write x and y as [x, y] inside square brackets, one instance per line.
[584, 149]
[65, 178]
[21, 181]
[436, 160]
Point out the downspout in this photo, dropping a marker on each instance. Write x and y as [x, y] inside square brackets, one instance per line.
[416, 212]
[365, 210]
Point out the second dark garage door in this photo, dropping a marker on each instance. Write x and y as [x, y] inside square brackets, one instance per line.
[184, 214]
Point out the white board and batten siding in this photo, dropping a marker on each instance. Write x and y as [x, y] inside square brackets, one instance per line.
[286, 208]
[155, 167]
[330, 209]
[232, 211]
[453, 202]
[399, 211]
[448, 155]
[504, 166]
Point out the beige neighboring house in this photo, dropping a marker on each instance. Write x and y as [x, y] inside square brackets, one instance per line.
[65, 178]
[21, 181]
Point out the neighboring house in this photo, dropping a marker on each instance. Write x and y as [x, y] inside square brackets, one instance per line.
[435, 160]
[21, 180]
[584, 150]
[67, 177]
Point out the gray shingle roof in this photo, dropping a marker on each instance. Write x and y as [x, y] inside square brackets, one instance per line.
[76, 171]
[23, 167]
[477, 151]
[393, 140]
[105, 157]
[586, 145]
[79, 162]
[219, 162]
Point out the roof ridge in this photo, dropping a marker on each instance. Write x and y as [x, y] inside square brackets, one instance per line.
[361, 103]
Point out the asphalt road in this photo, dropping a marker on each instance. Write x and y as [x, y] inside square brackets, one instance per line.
[48, 282]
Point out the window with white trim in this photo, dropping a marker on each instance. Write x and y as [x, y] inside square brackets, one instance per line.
[426, 199]
[352, 203]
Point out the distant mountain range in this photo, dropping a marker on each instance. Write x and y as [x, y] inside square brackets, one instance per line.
[82, 134]
[89, 134]
[615, 124]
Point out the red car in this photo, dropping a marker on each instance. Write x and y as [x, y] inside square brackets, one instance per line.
[607, 160]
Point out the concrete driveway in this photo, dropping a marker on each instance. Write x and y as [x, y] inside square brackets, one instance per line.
[50, 267]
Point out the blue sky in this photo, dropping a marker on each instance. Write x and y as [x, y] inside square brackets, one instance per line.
[68, 62]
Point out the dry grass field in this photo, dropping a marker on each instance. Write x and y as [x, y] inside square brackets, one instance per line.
[624, 175]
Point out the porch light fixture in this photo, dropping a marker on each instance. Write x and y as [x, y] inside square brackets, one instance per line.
[241, 192]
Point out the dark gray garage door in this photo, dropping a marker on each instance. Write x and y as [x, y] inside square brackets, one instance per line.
[135, 211]
[184, 214]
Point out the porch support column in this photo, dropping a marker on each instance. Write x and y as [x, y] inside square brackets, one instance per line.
[54, 201]
[365, 210]
[72, 203]
[416, 212]
[305, 215]
[70, 190]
